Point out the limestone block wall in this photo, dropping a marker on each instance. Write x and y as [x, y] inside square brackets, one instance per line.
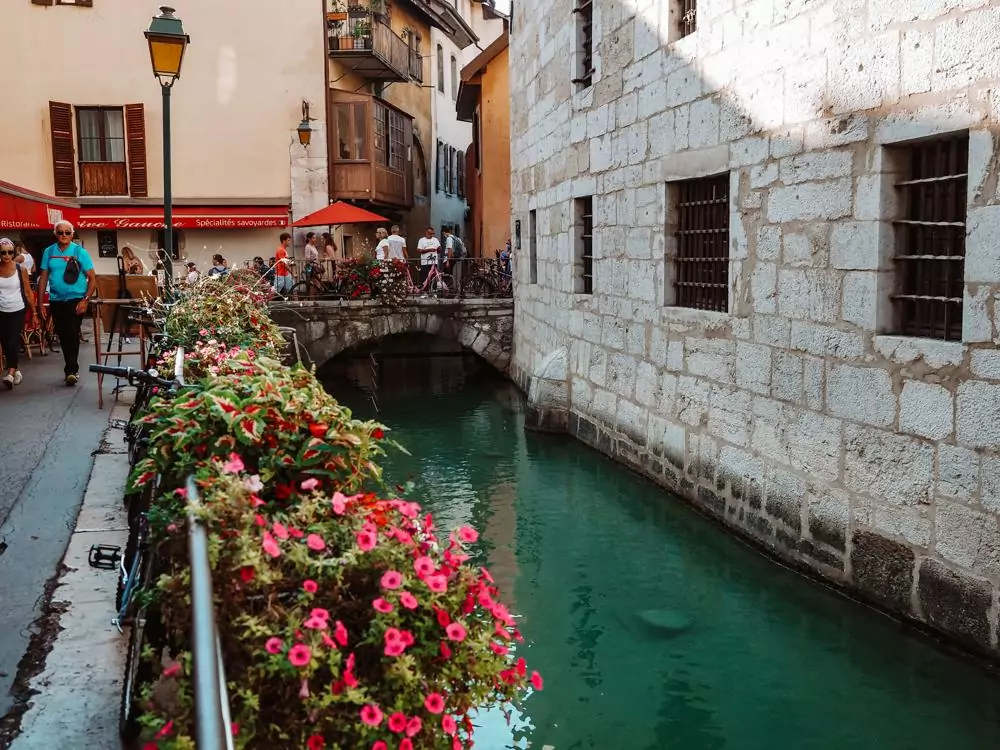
[800, 418]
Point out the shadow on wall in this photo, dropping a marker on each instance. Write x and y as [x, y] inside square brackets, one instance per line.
[785, 406]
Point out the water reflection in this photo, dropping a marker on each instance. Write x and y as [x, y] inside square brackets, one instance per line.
[653, 628]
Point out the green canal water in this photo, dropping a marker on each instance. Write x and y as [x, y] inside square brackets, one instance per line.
[652, 627]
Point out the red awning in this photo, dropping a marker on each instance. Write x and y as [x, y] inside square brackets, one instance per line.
[185, 217]
[21, 208]
[339, 213]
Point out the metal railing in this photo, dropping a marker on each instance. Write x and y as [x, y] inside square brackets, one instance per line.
[211, 697]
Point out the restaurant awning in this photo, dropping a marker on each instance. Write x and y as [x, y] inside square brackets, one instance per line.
[185, 217]
[21, 208]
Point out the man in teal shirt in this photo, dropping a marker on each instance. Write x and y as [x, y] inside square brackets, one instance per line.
[69, 272]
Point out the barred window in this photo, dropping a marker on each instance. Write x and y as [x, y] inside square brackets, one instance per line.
[930, 239]
[584, 244]
[584, 23]
[701, 266]
[685, 17]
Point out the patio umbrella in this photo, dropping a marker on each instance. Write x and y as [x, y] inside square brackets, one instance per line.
[339, 213]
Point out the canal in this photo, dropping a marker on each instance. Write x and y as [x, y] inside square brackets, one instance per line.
[652, 627]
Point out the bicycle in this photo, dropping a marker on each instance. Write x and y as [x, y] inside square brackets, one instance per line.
[313, 286]
[438, 284]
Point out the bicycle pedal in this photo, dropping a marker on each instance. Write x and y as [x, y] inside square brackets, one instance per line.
[118, 424]
[104, 556]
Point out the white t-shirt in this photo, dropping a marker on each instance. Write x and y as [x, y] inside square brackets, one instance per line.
[382, 250]
[428, 248]
[397, 247]
[311, 254]
[28, 263]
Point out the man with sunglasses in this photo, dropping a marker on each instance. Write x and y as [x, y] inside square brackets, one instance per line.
[69, 272]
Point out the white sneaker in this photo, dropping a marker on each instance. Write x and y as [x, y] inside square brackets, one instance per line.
[18, 377]
[8, 381]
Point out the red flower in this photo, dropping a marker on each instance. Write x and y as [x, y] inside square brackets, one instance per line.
[378, 434]
[318, 430]
[247, 573]
[315, 742]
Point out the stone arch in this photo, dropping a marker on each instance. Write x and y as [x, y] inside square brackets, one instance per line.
[488, 337]
[548, 393]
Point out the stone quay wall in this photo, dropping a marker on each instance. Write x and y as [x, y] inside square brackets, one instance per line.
[799, 418]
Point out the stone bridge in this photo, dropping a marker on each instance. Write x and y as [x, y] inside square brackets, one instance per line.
[327, 328]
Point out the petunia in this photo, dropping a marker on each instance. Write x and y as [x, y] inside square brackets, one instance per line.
[406, 744]
[320, 613]
[315, 743]
[536, 681]
[270, 546]
[234, 465]
[437, 583]
[448, 724]
[499, 649]
[434, 703]
[391, 579]
[315, 542]
[316, 623]
[381, 605]
[310, 484]
[247, 573]
[173, 670]
[280, 530]
[380, 745]
[371, 715]
[299, 655]
[311, 587]
[274, 646]
[397, 722]
[413, 726]
[445, 650]
[394, 648]
[253, 483]
[366, 541]
[424, 566]
[167, 729]
[408, 600]
[406, 638]
[378, 433]
[455, 631]
[521, 666]
[340, 634]
[468, 534]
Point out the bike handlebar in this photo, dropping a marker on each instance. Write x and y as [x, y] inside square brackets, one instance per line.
[132, 375]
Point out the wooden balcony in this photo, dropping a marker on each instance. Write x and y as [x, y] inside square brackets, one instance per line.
[369, 47]
[103, 178]
[371, 151]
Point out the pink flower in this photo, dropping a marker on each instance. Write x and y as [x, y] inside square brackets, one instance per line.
[315, 542]
[408, 600]
[234, 465]
[437, 583]
[274, 646]
[173, 670]
[380, 745]
[316, 742]
[424, 566]
[448, 724]
[253, 483]
[445, 650]
[397, 722]
[311, 587]
[340, 634]
[434, 703]
[320, 614]
[391, 580]
[299, 655]
[381, 605]
[167, 729]
[468, 534]
[499, 649]
[406, 744]
[366, 540]
[455, 631]
[316, 623]
[280, 531]
[413, 726]
[339, 503]
[270, 546]
[536, 681]
[310, 484]
[394, 649]
[371, 715]
[406, 638]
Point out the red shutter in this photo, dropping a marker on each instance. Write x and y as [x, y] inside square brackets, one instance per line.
[63, 153]
[135, 131]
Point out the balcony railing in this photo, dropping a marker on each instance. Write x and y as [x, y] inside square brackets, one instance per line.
[103, 178]
[369, 47]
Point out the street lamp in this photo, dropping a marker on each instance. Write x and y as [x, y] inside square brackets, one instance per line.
[304, 129]
[167, 42]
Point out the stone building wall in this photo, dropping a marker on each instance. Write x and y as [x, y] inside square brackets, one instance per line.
[799, 418]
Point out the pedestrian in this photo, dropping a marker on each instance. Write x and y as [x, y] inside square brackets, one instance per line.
[397, 244]
[24, 258]
[454, 250]
[69, 273]
[311, 254]
[132, 263]
[329, 247]
[428, 247]
[220, 266]
[192, 272]
[16, 299]
[283, 279]
[383, 247]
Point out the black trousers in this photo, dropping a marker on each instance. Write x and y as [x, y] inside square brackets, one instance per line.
[11, 324]
[67, 325]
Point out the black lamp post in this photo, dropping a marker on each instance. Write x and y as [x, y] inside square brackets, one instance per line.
[167, 42]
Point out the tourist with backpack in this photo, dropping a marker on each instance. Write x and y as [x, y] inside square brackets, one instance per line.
[454, 250]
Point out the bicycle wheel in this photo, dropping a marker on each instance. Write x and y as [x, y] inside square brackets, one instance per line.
[443, 285]
[302, 291]
[478, 286]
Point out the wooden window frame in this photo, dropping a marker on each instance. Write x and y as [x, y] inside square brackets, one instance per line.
[439, 163]
[103, 138]
[367, 149]
[460, 160]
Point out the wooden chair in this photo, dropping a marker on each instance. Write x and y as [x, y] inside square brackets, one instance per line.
[33, 335]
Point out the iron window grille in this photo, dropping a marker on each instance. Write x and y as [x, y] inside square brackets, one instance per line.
[687, 21]
[584, 11]
[702, 263]
[930, 239]
[585, 243]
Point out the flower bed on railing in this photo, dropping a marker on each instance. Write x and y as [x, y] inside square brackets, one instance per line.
[345, 619]
[366, 277]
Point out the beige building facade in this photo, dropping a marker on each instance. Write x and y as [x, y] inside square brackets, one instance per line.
[758, 263]
[83, 123]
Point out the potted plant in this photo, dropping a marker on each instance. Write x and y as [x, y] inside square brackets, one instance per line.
[362, 32]
[337, 12]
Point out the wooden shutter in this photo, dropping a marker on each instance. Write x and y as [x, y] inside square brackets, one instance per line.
[63, 153]
[135, 132]
[461, 174]
[41, 2]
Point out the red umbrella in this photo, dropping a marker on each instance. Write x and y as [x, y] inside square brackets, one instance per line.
[339, 213]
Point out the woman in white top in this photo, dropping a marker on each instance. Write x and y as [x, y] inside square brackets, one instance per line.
[24, 258]
[15, 298]
[383, 248]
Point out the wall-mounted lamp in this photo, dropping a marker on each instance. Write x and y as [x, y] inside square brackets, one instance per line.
[304, 129]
